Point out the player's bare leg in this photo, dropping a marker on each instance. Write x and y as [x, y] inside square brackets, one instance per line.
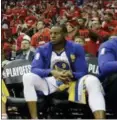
[33, 109]
[99, 114]
[4, 114]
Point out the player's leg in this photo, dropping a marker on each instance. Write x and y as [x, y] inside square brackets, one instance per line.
[33, 82]
[95, 96]
[111, 94]
[4, 114]
[5, 94]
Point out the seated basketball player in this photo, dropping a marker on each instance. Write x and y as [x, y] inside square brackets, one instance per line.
[58, 63]
[107, 61]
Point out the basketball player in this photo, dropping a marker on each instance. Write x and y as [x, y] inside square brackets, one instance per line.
[107, 61]
[61, 62]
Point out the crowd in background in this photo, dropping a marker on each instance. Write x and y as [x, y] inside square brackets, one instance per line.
[26, 24]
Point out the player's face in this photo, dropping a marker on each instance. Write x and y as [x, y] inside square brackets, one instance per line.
[56, 35]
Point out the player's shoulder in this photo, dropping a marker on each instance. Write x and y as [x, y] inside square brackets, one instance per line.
[45, 46]
[75, 45]
[77, 48]
[109, 44]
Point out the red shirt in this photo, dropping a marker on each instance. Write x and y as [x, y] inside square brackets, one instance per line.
[19, 40]
[102, 34]
[109, 27]
[23, 13]
[30, 20]
[91, 47]
[9, 15]
[40, 38]
[62, 11]
[14, 24]
[84, 33]
[115, 31]
[5, 34]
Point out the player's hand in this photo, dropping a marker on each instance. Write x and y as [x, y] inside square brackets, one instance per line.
[68, 73]
[60, 75]
[57, 74]
[68, 76]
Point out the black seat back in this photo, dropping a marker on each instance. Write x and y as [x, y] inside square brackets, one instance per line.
[13, 73]
[92, 65]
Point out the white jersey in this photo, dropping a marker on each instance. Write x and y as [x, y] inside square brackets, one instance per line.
[60, 61]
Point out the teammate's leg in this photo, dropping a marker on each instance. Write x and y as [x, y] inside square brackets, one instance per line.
[95, 96]
[111, 95]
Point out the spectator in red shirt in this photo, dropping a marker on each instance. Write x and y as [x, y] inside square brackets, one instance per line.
[72, 13]
[14, 23]
[91, 46]
[96, 27]
[42, 36]
[83, 31]
[72, 30]
[30, 20]
[109, 23]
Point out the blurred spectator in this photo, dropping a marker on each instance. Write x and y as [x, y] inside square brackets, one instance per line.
[83, 31]
[79, 40]
[26, 53]
[22, 33]
[96, 27]
[71, 29]
[42, 36]
[91, 45]
[109, 23]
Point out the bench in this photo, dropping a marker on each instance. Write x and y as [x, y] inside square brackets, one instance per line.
[54, 106]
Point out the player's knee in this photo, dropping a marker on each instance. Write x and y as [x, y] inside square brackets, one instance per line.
[91, 81]
[30, 78]
[26, 78]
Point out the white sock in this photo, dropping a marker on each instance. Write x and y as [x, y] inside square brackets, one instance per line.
[4, 116]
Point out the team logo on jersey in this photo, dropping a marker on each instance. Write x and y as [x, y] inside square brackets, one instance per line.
[72, 56]
[37, 56]
[61, 65]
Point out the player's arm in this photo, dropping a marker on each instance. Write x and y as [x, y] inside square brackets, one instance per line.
[106, 61]
[38, 66]
[80, 64]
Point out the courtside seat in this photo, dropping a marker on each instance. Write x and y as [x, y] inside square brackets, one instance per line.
[14, 84]
[61, 108]
[22, 109]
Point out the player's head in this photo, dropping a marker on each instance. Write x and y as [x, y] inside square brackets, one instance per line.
[57, 34]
